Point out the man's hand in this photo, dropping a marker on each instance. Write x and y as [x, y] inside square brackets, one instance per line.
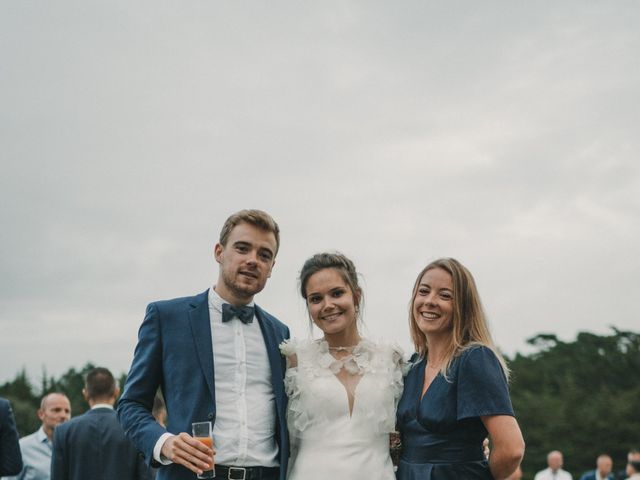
[185, 450]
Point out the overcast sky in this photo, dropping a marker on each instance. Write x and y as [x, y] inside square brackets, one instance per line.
[504, 134]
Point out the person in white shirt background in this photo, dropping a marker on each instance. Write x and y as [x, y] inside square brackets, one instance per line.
[36, 448]
[554, 470]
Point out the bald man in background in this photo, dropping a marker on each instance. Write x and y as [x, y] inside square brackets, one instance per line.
[604, 466]
[37, 448]
[554, 470]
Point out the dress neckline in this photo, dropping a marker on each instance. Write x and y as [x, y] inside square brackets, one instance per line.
[423, 369]
[356, 362]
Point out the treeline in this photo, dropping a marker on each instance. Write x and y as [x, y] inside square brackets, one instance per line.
[579, 397]
[25, 397]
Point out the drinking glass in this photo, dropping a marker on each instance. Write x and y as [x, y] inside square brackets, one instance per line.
[203, 432]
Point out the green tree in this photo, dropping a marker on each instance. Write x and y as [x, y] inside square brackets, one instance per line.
[25, 398]
[25, 404]
[578, 397]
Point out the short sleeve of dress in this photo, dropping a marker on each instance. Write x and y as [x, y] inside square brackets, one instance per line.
[482, 387]
[297, 415]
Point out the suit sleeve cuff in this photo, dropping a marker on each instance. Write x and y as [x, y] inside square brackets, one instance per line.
[157, 455]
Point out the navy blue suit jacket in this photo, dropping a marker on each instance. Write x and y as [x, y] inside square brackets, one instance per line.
[94, 446]
[592, 476]
[174, 352]
[10, 457]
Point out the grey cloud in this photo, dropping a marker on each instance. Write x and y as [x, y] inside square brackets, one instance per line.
[499, 133]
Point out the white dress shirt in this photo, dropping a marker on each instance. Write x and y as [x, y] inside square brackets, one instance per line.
[244, 428]
[548, 474]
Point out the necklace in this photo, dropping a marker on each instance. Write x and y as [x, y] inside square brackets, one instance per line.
[343, 349]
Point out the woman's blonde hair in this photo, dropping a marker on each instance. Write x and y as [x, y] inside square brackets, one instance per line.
[469, 325]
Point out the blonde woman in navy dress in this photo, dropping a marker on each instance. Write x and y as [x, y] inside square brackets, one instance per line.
[456, 393]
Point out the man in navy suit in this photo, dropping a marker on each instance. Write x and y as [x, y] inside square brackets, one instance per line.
[604, 466]
[93, 445]
[10, 457]
[215, 357]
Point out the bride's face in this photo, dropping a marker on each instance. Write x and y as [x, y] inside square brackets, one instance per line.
[331, 303]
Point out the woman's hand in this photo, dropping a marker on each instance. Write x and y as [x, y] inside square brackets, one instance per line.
[485, 448]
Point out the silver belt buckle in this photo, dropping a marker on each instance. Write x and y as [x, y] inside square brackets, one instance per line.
[239, 469]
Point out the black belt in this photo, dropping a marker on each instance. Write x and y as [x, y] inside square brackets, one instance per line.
[224, 472]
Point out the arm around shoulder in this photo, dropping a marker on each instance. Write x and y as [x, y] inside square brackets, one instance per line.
[289, 349]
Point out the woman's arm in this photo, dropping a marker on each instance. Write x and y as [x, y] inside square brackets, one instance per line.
[507, 444]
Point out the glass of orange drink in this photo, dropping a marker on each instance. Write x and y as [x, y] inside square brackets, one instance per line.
[203, 432]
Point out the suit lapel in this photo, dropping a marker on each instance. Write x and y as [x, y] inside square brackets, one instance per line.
[275, 359]
[201, 331]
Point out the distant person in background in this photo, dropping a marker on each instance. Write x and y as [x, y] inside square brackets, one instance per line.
[93, 445]
[517, 475]
[622, 474]
[10, 457]
[633, 465]
[37, 447]
[604, 466]
[554, 471]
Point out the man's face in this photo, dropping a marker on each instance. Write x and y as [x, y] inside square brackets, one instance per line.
[555, 461]
[56, 410]
[245, 263]
[604, 465]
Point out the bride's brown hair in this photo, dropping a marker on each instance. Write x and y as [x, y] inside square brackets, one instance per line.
[340, 263]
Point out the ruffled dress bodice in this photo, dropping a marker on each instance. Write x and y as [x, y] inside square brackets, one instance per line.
[327, 440]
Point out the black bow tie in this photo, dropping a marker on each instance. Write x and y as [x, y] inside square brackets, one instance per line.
[245, 314]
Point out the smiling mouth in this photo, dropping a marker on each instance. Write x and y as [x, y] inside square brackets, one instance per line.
[331, 317]
[429, 315]
[249, 274]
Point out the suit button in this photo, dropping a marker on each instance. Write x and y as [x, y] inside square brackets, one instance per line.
[210, 416]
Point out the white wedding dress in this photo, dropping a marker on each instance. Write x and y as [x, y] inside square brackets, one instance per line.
[328, 442]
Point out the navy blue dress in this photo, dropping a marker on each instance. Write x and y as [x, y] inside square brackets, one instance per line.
[442, 433]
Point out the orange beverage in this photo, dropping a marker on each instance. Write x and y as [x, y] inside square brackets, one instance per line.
[202, 431]
[208, 441]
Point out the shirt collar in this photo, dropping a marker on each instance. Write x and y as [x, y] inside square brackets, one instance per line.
[102, 405]
[41, 436]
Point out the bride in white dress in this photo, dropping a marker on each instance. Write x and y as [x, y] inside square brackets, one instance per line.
[343, 389]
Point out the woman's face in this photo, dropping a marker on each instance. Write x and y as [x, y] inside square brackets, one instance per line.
[331, 303]
[433, 302]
